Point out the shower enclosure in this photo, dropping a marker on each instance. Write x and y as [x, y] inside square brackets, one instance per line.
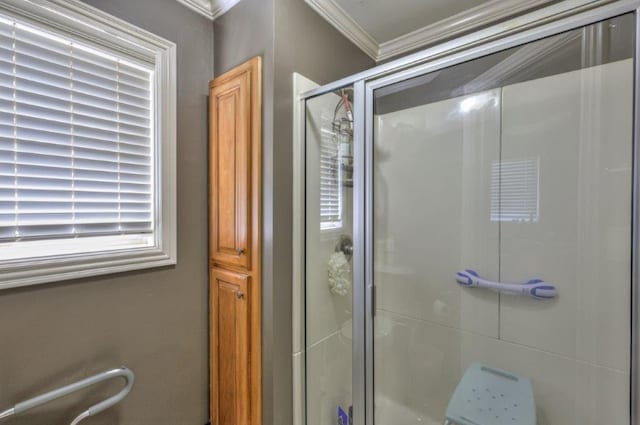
[470, 230]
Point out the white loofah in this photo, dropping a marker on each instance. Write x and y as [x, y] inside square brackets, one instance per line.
[339, 274]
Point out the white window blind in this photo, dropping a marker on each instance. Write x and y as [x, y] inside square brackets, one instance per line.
[514, 190]
[75, 139]
[330, 178]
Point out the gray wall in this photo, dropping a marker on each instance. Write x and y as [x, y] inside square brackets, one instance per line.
[152, 321]
[291, 37]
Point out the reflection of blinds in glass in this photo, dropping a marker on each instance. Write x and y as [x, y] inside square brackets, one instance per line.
[514, 190]
[330, 190]
[75, 139]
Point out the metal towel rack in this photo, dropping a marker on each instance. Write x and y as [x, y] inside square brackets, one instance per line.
[122, 372]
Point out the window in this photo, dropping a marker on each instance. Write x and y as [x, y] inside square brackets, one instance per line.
[514, 190]
[330, 175]
[87, 144]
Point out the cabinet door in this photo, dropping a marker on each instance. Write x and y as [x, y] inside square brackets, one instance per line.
[230, 171]
[230, 347]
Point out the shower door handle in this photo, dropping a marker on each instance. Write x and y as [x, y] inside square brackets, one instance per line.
[535, 288]
[372, 297]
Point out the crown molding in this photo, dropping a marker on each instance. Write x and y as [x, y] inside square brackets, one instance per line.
[453, 26]
[343, 22]
[220, 7]
[203, 7]
[210, 8]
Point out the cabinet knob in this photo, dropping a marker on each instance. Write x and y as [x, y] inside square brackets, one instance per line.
[240, 295]
[240, 251]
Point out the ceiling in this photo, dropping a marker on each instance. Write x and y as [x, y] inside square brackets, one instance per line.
[385, 20]
[388, 28]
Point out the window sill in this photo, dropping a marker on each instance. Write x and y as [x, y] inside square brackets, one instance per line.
[74, 267]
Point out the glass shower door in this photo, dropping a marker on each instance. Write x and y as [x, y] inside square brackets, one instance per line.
[328, 257]
[501, 224]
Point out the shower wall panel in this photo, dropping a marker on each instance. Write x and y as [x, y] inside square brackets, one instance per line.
[577, 127]
[532, 180]
[432, 174]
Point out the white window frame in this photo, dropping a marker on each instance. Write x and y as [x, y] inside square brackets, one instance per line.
[72, 18]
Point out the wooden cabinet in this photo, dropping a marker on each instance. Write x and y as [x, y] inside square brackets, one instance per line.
[234, 245]
[230, 352]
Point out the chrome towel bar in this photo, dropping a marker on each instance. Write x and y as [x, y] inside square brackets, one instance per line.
[122, 372]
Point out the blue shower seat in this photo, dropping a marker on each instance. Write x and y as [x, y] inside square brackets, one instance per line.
[490, 396]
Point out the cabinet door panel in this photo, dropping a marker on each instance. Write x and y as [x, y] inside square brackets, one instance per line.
[230, 172]
[230, 347]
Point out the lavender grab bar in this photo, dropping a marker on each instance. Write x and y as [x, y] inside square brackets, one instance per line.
[122, 372]
[535, 288]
